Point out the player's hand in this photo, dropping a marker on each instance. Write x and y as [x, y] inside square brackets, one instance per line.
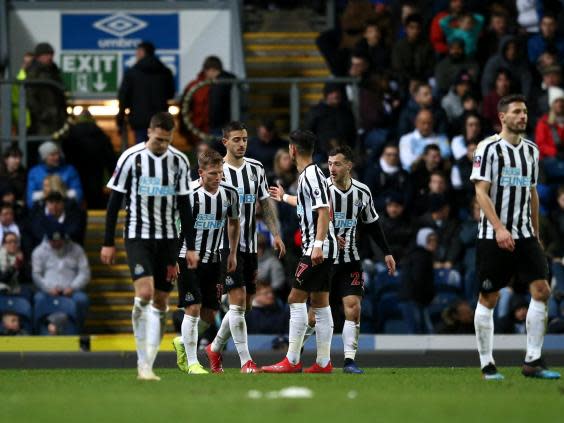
[231, 262]
[504, 239]
[316, 256]
[390, 264]
[279, 246]
[172, 271]
[108, 255]
[341, 242]
[192, 259]
[277, 192]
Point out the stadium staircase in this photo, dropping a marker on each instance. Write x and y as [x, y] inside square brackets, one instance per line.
[110, 290]
[272, 53]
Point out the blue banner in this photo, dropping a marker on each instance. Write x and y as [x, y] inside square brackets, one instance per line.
[118, 31]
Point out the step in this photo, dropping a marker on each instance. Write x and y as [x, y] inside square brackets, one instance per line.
[102, 214]
[287, 73]
[279, 35]
[94, 255]
[287, 49]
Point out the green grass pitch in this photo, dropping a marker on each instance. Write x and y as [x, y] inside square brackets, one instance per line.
[380, 395]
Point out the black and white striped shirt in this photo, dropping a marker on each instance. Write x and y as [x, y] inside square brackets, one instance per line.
[349, 207]
[151, 184]
[210, 212]
[313, 193]
[512, 171]
[250, 182]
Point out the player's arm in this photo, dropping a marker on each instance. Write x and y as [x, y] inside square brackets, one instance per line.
[233, 231]
[108, 252]
[187, 222]
[376, 231]
[320, 235]
[270, 215]
[277, 193]
[535, 211]
[503, 236]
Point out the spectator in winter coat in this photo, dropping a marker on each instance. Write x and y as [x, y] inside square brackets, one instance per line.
[452, 102]
[488, 44]
[549, 136]
[267, 316]
[469, 28]
[265, 144]
[397, 226]
[436, 32]
[373, 43]
[472, 132]
[145, 90]
[460, 176]
[538, 100]
[12, 173]
[422, 98]
[546, 40]
[453, 64]
[53, 163]
[503, 86]
[11, 262]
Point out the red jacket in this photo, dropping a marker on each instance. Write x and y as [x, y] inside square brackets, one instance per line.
[199, 107]
[436, 35]
[544, 139]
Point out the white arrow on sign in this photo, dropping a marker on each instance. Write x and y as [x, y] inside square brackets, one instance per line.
[99, 85]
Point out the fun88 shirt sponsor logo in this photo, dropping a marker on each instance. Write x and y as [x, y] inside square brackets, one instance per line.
[152, 187]
[246, 198]
[341, 221]
[207, 221]
[511, 177]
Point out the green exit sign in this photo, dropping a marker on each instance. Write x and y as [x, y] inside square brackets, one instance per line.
[90, 73]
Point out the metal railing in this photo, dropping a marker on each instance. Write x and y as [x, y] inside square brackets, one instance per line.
[6, 108]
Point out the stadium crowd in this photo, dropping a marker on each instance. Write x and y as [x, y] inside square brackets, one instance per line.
[431, 74]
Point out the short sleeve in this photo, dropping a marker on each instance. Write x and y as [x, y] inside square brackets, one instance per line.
[482, 162]
[318, 189]
[369, 214]
[121, 176]
[263, 185]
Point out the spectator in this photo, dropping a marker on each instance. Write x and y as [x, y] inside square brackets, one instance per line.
[412, 145]
[551, 77]
[468, 29]
[413, 57]
[53, 164]
[220, 95]
[446, 229]
[90, 151]
[422, 98]
[488, 45]
[528, 15]
[467, 236]
[453, 64]
[145, 90]
[452, 102]
[373, 44]
[60, 268]
[436, 33]
[460, 175]
[21, 76]
[7, 221]
[438, 185]
[515, 321]
[503, 87]
[11, 262]
[457, 318]
[547, 40]
[8, 197]
[509, 58]
[397, 227]
[549, 136]
[55, 208]
[472, 132]
[332, 121]
[46, 103]
[13, 174]
[200, 102]
[264, 146]
[419, 178]
[386, 176]
[270, 268]
[267, 316]
[11, 325]
[417, 288]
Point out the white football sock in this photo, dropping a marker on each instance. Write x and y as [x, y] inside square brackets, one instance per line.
[536, 326]
[155, 329]
[323, 334]
[190, 338]
[310, 330]
[139, 322]
[223, 334]
[238, 328]
[484, 326]
[298, 324]
[350, 338]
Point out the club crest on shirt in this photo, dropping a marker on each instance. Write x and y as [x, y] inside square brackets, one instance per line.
[487, 284]
[229, 281]
[359, 203]
[138, 270]
[316, 192]
[477, 161]
[253, 178]
[189, 297]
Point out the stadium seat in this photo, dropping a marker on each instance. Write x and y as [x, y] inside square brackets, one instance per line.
[396, 327]
[387, 309]
[46, 305]
[448, 280]
[441, 301]
[19, 306]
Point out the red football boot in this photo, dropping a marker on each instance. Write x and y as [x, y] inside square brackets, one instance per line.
[283, 367]
[250, 367]
[215, 360]
[316, 368]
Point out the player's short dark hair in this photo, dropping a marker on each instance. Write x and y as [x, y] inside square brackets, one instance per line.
[304, 140]
[431, 147]
[504, 102]
[148, 47]
[163, 120]
[233, 126]
[209, 157]
[212, 62]
[345, 150]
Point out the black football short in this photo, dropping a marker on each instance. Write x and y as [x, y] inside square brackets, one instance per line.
[199, 286]
[348, 280]
[245, 276]
[150, 258]
[313, 278]
[496, 267]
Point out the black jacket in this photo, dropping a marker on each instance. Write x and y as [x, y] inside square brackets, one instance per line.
[145, 90]
[417, 277]
[220, 102]
[331, 123]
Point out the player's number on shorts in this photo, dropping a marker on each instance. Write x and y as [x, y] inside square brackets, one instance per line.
[356, 279]
[302, 267]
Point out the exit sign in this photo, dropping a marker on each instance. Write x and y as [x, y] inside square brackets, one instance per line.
[90, 73]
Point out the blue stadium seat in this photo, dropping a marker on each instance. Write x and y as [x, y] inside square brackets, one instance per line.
[47, 305]
[396, 327]
[448, 280]
[387, 309]
[19, 306]
[441, 301]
